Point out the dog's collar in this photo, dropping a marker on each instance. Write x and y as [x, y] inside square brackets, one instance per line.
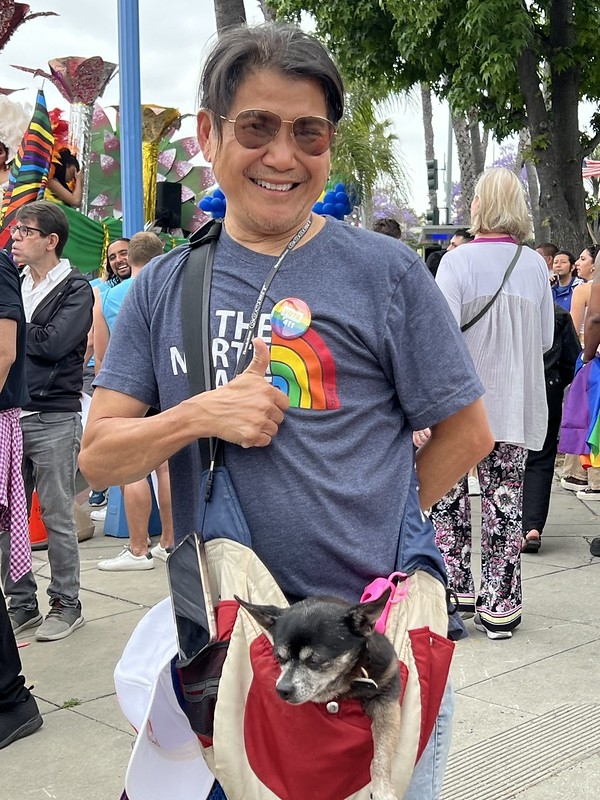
[365, 681]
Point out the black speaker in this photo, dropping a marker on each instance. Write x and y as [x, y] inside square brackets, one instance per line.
[168, 204]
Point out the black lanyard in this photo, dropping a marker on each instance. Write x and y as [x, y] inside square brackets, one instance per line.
[261, 295]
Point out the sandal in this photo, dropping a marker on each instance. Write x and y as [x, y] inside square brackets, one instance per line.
[531, 543]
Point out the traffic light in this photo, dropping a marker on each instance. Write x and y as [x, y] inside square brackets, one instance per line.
[433, 216]
[432, 177]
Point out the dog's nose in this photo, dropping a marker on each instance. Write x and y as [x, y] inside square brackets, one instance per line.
[284, 690]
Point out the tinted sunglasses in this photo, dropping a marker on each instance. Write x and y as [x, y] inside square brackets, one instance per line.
[255, 128]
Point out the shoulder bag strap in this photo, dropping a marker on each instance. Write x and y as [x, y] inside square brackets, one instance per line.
[195, 321]
[488, 305]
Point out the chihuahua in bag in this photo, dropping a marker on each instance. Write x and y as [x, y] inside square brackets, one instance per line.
[329, 650]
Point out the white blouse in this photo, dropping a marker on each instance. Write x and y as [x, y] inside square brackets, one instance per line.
[508, 342]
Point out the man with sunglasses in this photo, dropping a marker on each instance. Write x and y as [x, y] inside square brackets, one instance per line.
[363, 351]
[58, 310]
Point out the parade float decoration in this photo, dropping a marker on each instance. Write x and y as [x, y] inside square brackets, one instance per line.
[13, 15]
[81, 81]
[165, 159]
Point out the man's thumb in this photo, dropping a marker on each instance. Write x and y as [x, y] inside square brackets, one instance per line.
[261, 358]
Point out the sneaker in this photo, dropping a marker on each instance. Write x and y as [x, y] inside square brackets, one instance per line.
[60, 622]
[98, 498]
[490, 634]
[23, 618]
[20, 721]
[160, 552]
[100, 515]
[126, 561]
[573, 484]
[588, 494]
[474, 487]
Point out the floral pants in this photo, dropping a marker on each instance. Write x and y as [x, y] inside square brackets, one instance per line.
[501, 479]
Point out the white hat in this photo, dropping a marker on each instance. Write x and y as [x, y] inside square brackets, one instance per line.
[166, 761]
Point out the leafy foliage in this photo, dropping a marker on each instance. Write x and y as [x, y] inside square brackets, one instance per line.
[467, 50]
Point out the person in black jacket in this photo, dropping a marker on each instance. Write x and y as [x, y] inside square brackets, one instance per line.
[19, 713]
[559, 367]
[58, 304]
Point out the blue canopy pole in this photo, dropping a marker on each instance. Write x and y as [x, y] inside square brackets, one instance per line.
[130, 112]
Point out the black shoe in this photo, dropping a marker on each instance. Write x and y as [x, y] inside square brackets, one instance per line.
[595, 546]
[20, 721]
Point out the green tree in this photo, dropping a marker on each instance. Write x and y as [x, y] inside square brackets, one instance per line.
[518, 64]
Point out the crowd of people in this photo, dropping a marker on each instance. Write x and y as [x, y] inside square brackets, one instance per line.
[466, 371]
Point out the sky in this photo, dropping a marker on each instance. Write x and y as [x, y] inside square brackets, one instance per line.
[174, 37]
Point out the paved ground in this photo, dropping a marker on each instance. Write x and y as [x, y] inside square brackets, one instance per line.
[527, 714]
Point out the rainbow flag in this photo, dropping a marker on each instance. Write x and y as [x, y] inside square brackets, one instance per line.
[29, 171]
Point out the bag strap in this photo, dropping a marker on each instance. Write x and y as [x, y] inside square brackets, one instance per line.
[488, 305]
[195, 321]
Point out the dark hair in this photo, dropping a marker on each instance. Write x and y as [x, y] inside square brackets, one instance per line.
[49, 218]
[464, 233]
[5, 148]
[241, 50]
[547, 248]
[593, 250]
[67, 159]
[111, 275]
[388, 226]
[566, 253]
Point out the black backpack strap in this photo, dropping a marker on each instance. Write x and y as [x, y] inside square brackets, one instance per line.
[195, 321]
[490, 303]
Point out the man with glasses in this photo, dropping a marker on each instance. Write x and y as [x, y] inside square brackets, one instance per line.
[58, 310]
[363, 351]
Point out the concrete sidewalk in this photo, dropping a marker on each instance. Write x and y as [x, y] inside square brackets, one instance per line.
[527, 720]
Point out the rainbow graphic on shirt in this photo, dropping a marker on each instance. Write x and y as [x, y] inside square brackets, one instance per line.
[304, 369]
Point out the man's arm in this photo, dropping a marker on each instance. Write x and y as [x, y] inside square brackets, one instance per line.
[8, 348]
[456, 444]
[101, 333]
[119, 446]
[591, 331]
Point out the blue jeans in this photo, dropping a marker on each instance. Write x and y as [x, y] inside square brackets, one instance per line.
[51, 442]
[428, 775]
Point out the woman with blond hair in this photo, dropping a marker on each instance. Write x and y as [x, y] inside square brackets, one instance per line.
[499, 294]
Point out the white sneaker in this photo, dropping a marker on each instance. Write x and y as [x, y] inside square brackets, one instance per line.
[99, 515]
[126, 562]
[160, 552]
[490, 634]
[474, 487]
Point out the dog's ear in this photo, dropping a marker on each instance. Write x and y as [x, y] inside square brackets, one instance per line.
[266, 616]
[363, 616]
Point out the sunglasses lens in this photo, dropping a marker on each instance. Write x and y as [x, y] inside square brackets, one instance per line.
[254, 129]
[313, 135]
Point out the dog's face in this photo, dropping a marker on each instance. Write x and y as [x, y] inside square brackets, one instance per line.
[317, 643]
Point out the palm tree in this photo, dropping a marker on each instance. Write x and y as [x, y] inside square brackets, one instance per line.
[365, 150]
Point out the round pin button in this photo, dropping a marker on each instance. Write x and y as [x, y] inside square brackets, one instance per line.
[290, 318]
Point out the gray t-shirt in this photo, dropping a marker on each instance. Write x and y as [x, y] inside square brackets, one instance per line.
[381, 357]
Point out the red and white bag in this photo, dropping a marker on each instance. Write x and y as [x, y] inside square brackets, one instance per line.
[255, 744]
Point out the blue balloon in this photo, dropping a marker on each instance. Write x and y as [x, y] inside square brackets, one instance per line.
[329, 197]
[341, 197]
[340, 210]
[318, 207]
[339, 187]
[218, 193]
[329, 208]
[206, 203]
[218, 204]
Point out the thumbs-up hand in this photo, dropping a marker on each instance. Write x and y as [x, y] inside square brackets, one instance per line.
[248, 410]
